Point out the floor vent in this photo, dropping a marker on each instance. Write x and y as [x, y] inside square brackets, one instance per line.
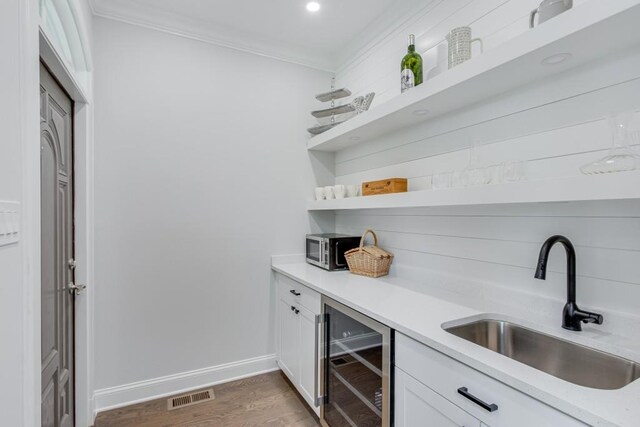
[339, 361]
[190, 399]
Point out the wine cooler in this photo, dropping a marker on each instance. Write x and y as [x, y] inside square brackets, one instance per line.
[356, 368]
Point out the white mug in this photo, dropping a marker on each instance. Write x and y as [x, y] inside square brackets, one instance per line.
[339, 191]
[328, 192]
[548, 9]
[352, 191]
[459, 40]
[319, 193]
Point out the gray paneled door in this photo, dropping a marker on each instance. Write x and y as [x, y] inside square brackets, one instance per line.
[56, 167]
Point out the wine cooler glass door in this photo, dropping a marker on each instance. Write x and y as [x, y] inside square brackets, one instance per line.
[356, 369]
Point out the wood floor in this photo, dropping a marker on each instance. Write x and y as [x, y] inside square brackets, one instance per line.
[263, 400]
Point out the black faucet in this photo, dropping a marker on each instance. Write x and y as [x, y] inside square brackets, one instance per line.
[572, 316]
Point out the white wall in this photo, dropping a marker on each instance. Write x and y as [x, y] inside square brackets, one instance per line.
[556, 125]
[11, 285]
[201, 174]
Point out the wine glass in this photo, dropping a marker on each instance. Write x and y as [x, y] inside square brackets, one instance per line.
[475, 173]
[620, 157]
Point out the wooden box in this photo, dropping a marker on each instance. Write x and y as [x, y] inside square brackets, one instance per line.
[385, 186]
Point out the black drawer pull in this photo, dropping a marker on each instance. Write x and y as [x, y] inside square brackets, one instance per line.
[491, 407]
[295, 293]
[292, 308]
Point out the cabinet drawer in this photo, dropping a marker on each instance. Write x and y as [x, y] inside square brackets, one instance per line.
[446, 376]
[416, 404]
[298, 294]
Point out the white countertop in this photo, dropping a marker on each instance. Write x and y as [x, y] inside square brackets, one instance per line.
[420, 316]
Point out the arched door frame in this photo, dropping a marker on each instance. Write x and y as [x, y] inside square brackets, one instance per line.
[77, 82]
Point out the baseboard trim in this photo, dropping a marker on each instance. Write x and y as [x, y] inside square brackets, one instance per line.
[142, 391]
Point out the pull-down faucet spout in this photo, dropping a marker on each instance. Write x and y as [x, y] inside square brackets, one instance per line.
[572, 316]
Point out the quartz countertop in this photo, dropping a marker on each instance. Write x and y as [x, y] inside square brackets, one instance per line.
[393, 302]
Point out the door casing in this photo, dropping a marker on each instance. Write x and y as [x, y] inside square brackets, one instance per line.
[83, 237]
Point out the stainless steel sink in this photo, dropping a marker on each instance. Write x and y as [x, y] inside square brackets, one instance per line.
[571, 362]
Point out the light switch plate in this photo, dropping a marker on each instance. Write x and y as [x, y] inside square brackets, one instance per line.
[9, 223]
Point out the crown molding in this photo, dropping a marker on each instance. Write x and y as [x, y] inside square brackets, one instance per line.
[161, 20]
[388, 24]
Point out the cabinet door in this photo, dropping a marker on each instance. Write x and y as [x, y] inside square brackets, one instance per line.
[418, 405]
[308, 359]
[288, 339]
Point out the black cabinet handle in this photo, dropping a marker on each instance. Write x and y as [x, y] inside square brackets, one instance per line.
[296, 311]
[491, 407]
[294, 292]
[292, 308]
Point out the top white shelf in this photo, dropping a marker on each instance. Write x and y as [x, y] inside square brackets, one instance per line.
[590, 31]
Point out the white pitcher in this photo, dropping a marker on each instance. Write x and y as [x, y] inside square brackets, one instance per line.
[459, 40]
[548, 9]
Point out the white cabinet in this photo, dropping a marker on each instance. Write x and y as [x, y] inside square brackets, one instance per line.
[416, 405]
[487, 400]
[308, 343]
[289, 332]
[297, 336]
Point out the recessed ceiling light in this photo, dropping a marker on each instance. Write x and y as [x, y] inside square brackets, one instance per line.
[313, 6]
[421, 112]
[556, 59]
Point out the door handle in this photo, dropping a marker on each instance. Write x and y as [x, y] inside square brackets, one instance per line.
[491, 407]
[317, 400]
[75, 289]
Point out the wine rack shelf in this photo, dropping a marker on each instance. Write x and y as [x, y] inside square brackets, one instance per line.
[588, 32]
[615, 186]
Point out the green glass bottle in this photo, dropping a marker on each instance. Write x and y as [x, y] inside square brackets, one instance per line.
[411, 67]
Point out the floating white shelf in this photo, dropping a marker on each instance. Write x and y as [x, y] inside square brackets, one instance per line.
[590, 31]
[616, 186]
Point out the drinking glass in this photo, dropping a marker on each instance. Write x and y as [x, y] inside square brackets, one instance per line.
[494, 174]
[352, 190]
[428, 182]
[442, 180]
[456, 179]
[513, 171]
[475, 173]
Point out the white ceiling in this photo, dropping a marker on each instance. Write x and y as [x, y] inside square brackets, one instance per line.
[278, 28]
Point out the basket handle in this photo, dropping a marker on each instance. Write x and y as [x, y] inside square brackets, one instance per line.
[375, 238]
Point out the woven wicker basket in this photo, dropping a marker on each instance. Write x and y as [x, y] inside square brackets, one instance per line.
[370, 261]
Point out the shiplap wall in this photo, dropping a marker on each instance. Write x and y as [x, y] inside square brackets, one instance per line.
[377, 67]
[555, 125]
